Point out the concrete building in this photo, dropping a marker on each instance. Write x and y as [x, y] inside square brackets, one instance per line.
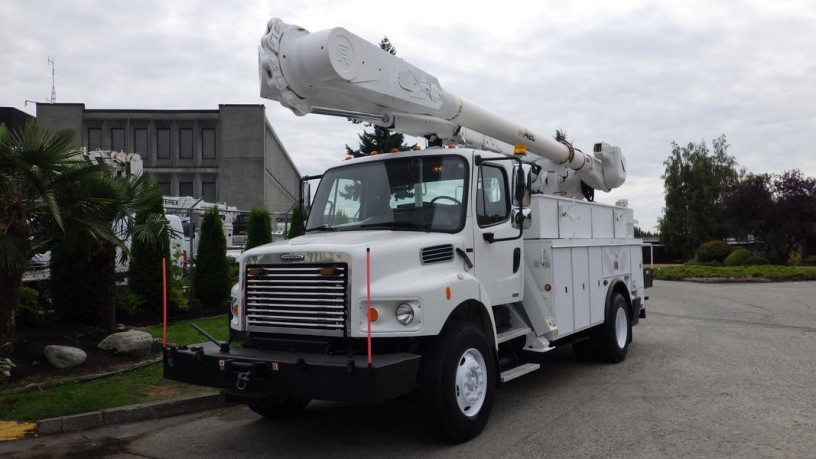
[13, 119]
[230, 155]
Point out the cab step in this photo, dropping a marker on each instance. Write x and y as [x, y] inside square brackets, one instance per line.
[521, 370]
[512, 333]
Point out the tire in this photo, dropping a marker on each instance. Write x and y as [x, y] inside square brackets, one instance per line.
[616, 333]
[458, 382]
[277, 407]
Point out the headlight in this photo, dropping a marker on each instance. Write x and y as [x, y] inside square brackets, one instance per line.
[404, 313]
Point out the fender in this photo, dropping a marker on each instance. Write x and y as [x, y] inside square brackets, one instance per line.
[618, 285]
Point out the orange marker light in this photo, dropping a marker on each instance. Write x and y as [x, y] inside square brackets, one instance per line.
[547, 288]
[373, 315]
[448, 293]
[254, 271]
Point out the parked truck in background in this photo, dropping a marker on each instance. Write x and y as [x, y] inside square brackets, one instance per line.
[440, 271]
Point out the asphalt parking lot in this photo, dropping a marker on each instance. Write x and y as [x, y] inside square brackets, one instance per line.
[715, 370]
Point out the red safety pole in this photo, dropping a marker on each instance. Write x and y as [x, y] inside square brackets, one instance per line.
[164, 302]
[368, 300]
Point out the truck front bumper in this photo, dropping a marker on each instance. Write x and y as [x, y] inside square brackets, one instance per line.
[247, 375]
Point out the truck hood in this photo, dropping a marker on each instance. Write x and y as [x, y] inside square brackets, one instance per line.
[357, 241]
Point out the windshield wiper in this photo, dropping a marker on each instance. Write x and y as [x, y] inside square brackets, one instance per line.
[321, 228]
[403, 224]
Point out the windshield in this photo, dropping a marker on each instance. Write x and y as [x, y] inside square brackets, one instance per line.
[424, 193]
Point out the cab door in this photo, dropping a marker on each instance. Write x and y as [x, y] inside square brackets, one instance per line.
[497, 245]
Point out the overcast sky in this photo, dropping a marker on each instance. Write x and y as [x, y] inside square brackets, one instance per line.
[636, 74]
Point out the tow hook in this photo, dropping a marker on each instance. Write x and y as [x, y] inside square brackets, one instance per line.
[243, 378]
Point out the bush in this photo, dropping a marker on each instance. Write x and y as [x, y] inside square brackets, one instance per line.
[29, 311]
[809, 261]
[795, 255]
[713, 251]
[128, 303]
[757, 261]
[696, 262]
[296, 224]
[737, 257]
[145, 272]
[259, 228]
[73, 279]
[212, 282]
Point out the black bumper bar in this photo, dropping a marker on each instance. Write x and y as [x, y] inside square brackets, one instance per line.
[249, 374]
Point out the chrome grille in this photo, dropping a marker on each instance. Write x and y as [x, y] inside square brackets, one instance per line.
[437, 254]
[307, 299]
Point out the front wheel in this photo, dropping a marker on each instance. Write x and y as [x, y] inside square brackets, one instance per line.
[616, 333]
[279, 407]
[458, 382]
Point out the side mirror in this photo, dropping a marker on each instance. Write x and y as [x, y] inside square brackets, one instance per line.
[522, 187]
[305, 199]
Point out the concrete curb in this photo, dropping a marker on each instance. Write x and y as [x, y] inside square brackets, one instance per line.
[132, 413]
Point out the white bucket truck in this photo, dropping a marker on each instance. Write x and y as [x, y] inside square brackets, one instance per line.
[440, 271]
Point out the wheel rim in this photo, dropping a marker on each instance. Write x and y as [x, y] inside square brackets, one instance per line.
[621, 328]
[471, 382]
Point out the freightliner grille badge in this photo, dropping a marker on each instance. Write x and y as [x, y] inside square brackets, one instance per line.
[292, 257]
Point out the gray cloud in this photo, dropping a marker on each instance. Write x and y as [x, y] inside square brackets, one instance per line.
[636, 74]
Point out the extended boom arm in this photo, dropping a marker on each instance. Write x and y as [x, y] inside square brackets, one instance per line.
[338, 73]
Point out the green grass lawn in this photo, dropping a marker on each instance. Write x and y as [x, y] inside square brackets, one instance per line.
[136, 386]
[769, 272]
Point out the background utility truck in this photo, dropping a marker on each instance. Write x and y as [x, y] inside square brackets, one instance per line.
[439, 271]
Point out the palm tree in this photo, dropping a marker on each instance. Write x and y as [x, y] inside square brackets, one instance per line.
[34, 165]
[111, 203]
[123, 198]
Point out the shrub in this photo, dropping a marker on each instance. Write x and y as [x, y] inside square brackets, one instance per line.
[809, 261]
[145, 270]
[795, 255]
[696, 262]
[296, 224]
[757, 261]
[212, 283]
[259, 228]
[28, 311]
[127, 302]
[73, 279]
[713, 251]
[737, 257]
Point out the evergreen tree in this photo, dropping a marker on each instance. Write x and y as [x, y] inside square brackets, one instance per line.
[381, 140]
[212, 282]
[296, 225]
[259, 229]
[72, 279]
[36, 169]
[145, 274]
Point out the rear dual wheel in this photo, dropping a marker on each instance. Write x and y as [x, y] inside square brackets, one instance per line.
[610, 341]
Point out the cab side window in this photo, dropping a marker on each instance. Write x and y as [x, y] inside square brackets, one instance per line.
[492, 204]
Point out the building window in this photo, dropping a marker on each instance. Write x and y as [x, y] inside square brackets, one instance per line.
[165, 188]
[118, 139]
[140, 142]
[208, 191]
[185, 188]
[94, 139]
[186, 143]
[208, 143]
[163, 144]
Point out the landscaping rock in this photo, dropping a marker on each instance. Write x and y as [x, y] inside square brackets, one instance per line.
[135, 343]
[64, 356]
